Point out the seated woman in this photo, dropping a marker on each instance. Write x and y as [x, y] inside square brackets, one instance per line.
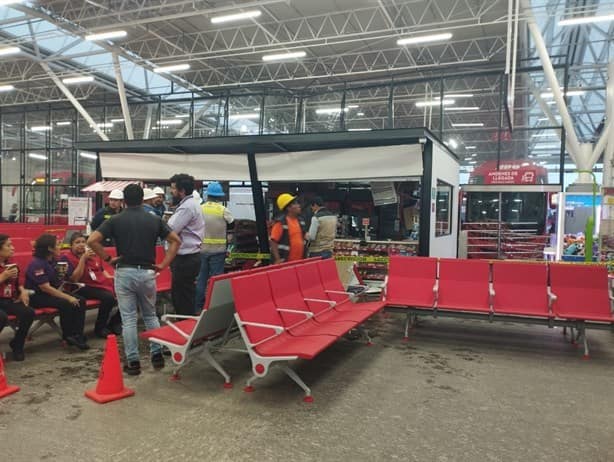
[46, 281]
[14, 299]
[85, 267]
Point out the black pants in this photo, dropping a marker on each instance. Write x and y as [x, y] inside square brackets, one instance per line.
[185, 269]
[107, 302]
[72, 318]
[25, 316]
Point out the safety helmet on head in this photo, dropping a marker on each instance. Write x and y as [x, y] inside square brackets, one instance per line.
[283, 200]
[158, 191]
[149, 194]
[117, 194]
[214, 189]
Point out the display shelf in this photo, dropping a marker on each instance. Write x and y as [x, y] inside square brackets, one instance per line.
[371, 256]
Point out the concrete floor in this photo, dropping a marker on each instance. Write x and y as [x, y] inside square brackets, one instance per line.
[459, 391]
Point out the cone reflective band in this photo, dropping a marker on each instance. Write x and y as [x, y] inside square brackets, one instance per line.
[110, 386]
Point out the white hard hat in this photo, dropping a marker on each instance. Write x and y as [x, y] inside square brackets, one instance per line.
[196, 195]
[117, 194]
[149, 194]
[158, 191]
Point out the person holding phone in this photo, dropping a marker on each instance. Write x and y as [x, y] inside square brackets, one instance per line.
[14, 299]
[45, 276]
[85, 267]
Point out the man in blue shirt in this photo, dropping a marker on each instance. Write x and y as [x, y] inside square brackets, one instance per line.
[189, 223]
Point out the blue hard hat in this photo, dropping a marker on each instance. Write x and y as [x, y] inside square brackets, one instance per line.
[214, 189]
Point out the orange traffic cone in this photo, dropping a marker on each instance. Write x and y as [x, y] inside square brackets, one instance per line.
[110, 385]
[5, 388]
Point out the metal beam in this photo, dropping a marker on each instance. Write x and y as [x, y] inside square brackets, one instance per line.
[122, 96]
[74, 102]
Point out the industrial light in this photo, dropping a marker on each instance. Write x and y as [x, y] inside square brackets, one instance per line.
[445, 102]
[360, 114]
[468, 125]
[459, 95]
[6, 87]
[117, 121]
[182, 116]
[330, 110]
[236, 16]
[352, 106]
[81, 79]
[246, 115]
[359, 129]
[170, 122]
[546, 119]
[87, 155]
[585, 20]
[470, 147]
[549, 94]
[40, 128]
[283, 56]
[452, 142]
[63, 123]
[547, 146]
[33, 155]
[107, 35]
[171, 68]
[425, 39]
[544, 135]
[9, 51]
[464, 108]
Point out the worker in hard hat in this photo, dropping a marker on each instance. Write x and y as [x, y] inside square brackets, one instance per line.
[116, 202]
[287, 240]
[213, 250]
[149, 196]
[158, 202]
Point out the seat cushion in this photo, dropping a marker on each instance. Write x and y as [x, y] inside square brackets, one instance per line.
[336, 329]
[305, 347]
[170, 335]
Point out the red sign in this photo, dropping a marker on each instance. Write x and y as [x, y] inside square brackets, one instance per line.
[509, 172]
[366, 221]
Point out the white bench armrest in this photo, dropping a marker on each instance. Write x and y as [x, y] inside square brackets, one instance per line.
[276, 328]
[317, 300]
[307, 314]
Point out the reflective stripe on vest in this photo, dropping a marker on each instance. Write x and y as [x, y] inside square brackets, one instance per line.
[213, 241]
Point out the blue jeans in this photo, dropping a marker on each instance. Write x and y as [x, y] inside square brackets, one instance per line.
[323, 254]
[136, 288]
[210, 265]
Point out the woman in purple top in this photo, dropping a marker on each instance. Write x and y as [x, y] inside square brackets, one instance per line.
[46, 278]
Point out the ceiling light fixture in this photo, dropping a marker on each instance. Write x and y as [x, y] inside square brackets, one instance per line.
[9, 51]
[63, 123]
[40, 128]
[445, 102]
[87, 155]
[468, 125]
[459, 95]
[424, 39]
[283, 56]
[33, 155]
[106, 35]
[171, 68]
[7, 87]
[331, 110]
[117, 121]
[549, 94]
[236, 16]
[246, 115]
[359, 129]
[585, 20]
[464, 108]
[452, 142]
[470, 147]
[170, 122]
[81, 79]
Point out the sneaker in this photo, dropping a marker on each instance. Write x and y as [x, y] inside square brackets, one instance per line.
[132, 368]
[77, 340]
[116, 328]
[18, 354]
[157, 361]
[102, 333]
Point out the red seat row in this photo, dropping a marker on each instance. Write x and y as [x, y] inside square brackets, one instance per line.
[552, 291]
[294, 312]
[47, 316]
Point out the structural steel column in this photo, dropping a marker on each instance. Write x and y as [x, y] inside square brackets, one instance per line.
[122, 96]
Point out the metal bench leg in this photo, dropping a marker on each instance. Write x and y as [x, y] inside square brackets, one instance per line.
[294, 376]
[365, 333]
[408, 320]
[217, 366]
[585, 339]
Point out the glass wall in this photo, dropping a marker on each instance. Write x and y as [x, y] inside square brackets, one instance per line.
[39, 162]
